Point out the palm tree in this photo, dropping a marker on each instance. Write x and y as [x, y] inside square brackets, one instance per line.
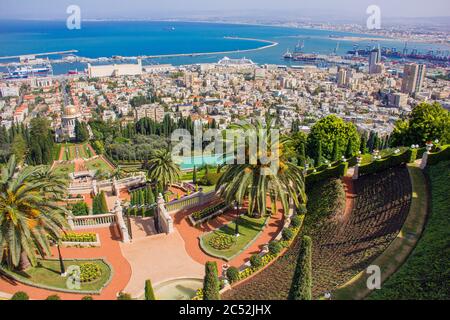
[256, 182]
[29, 214]
[162, 169]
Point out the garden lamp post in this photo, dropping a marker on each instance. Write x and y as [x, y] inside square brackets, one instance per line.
[236, 229]
[61, 263]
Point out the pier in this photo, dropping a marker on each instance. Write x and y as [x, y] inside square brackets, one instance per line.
[38, 54]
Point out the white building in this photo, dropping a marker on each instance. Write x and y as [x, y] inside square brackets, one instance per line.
[115, 70]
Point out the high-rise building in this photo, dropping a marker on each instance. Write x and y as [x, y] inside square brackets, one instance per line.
[374, 60]
[342, 77]
[413, 76]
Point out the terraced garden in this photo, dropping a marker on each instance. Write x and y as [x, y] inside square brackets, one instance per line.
[73, 151]
[342, 250]
[342, 246]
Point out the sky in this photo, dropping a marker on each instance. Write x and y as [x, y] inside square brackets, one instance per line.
[154, 9]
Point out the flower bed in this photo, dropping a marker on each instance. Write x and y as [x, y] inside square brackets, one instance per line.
[79, 237]
[86, 239]
[201, 216]
[89, 272]
[221, 241]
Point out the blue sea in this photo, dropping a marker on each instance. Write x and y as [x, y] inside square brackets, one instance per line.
[134, 38]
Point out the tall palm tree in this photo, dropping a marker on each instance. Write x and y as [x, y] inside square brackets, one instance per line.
[162, 169]
[257, 182]
[29, 213]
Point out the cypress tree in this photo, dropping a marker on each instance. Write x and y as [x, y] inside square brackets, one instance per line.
[303, 273]
[301, 155]
[194, 175]
[335, 154]
[211, 285]
[149, 293]
[349, 150]
[318, 158]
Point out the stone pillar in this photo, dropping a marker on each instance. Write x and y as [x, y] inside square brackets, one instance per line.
[94, 187]
[118, 211]
[356, 169]
[115, 187]
[160, 207]
[423, 164]
[70, 221]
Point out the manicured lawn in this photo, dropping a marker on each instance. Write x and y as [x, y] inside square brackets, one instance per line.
[425, 274]
[48, 274]
[64, 168]
[98, 164]
[248, 230]
[70, 151]
[188, 176]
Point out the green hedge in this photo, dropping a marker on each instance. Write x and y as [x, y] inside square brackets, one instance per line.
[436, 157]
[302, 282]
[389, 162]
[425, 274]
[334, 172]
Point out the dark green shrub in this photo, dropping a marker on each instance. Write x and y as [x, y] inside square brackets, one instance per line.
[302, 283]
[149, 293]
[287, 234]
[211, 284]
[233, 274]
[275, 247]
[20, 295]
[80, 209]
[210, 179]
[53, 297]
[296, 221]
[256, 261]
[124, 296]
[87, 298]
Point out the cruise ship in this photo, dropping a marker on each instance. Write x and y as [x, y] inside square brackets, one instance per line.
[27, 71]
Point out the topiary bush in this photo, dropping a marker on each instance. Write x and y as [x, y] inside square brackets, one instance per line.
[53, 297]
[233, 274]
[211, 283]
[288, 234]
[256, 261]
[275, 247]
[149, 293]
[302, 282]
[20, 295]
[124, 296]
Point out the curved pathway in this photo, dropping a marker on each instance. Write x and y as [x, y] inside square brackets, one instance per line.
[109, 250]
